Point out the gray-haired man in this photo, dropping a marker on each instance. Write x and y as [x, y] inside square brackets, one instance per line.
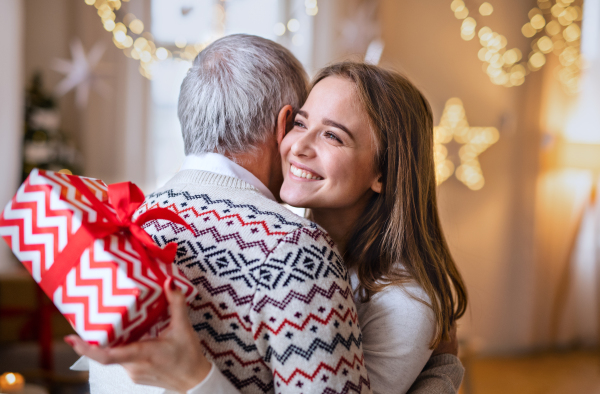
[275, 312]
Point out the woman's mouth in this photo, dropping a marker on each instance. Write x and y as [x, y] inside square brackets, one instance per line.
[303, 173]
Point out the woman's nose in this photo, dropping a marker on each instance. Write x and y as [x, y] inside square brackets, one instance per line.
[303, 146]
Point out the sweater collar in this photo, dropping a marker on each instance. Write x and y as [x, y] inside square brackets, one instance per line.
[219, 164]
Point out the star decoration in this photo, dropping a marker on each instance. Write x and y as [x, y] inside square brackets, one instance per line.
[83, 73]
[474, 141]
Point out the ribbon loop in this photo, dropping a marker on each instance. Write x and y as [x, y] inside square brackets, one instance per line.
[126, 198]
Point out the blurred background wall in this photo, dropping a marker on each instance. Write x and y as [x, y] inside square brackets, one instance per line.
[11, 100]
[490, 231]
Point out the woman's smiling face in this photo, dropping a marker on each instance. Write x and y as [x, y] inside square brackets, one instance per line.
[328, 156]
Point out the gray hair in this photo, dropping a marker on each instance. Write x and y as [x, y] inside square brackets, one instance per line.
[232, 94]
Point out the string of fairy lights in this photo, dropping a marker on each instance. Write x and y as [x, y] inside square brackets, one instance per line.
[130, 33]
[561, 35]
[553, 26]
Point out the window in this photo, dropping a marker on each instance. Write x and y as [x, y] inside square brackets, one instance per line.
[177, 23]
[583, 126]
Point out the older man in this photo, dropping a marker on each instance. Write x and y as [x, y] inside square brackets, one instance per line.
[275, 312]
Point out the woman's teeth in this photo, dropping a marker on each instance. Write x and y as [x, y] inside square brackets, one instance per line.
[304, 174]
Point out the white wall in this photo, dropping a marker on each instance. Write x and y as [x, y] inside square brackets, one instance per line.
[11, 105]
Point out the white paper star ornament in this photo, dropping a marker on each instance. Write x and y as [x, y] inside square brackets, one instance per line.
[82, 73]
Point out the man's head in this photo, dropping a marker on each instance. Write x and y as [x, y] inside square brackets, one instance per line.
[232, 95]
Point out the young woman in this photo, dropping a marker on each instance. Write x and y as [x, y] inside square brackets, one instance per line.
[360, 156]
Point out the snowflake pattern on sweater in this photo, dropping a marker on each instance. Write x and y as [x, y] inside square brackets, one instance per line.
[275, 311]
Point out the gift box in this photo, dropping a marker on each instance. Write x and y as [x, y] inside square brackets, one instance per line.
[78, 239]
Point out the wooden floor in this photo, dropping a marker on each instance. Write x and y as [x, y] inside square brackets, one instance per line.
[545, 373]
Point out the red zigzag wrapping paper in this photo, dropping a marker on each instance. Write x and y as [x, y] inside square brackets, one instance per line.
[110, 297]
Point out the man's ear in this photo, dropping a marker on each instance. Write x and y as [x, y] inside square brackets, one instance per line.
[284, 122]
[377, 185]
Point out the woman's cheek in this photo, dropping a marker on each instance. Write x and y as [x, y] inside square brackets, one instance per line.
[286, 145]
[339, 170]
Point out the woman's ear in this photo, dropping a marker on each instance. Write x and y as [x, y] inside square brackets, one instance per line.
[284, 122]
[377, 185]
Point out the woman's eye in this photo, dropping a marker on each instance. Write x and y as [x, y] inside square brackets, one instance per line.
[331, 136]
[298, 124]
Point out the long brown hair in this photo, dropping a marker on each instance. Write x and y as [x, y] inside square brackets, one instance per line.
[401, 224]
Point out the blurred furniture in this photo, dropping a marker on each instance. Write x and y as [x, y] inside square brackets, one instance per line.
[38, 316]
[33, 389]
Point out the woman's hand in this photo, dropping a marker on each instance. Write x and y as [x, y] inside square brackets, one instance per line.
[448, 347]
[174, 361]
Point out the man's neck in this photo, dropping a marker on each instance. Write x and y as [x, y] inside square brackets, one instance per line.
[252, 163]
[264, 164]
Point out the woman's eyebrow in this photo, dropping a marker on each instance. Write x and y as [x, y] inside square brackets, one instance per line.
[340, 126]
[303, 113]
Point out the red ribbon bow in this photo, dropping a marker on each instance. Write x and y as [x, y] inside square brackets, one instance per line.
[125, 198]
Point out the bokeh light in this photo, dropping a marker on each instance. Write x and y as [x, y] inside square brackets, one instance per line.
[486, 9]
[545, 44]
[136, 26]
[312, 7]
[538, 22]
[162, 53]
[109, 25]
[528, 30]
[293, 25]
[180, 42]
[537, 60]
[279, 29]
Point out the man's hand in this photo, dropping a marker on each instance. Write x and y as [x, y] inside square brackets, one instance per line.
[174, 361]
[448, 347]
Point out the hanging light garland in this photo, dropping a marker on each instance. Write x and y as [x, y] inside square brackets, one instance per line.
[129, 34]
[555, 28]
[556, 25]
[503, 66]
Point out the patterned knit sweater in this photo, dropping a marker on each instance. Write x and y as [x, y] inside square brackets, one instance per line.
[275, 311]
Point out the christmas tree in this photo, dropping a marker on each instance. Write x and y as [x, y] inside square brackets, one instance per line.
[45, 145]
